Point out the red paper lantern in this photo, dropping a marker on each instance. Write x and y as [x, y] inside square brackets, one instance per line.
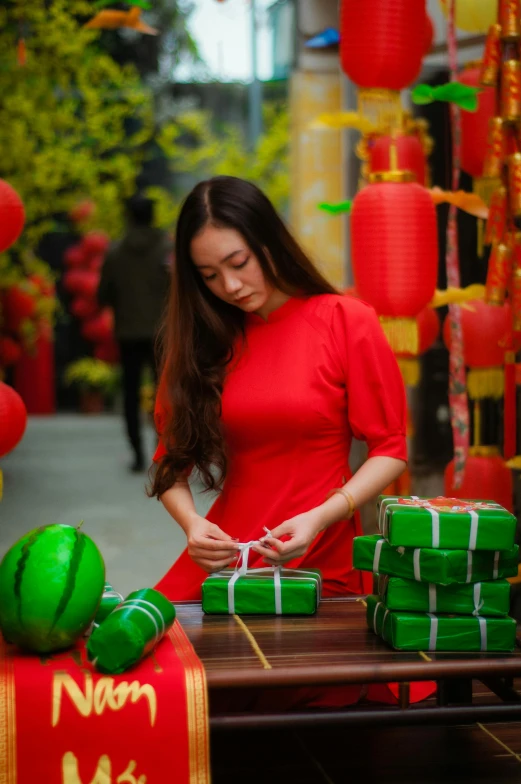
[474, 125]
[395, 254]
[18, 305]
[107, 352]
[411, 156]
[13, 418]
[95, 242]
[99, 329]
[379, 41]
[486, 477]
[82, 282]
[485, 329]
[75, 257]
[83, 308]
[10, 351]
[12, 215]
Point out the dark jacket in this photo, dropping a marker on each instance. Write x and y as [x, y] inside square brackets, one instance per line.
[135, 280]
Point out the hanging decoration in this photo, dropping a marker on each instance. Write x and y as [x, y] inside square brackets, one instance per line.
[472, 16]
[458, 403]
[394, 241]
[428, 330]
[467, 202]
[486, 476]
[381, 52]
[113, 20]
[501, 70]
[485, 331]
[461, 95]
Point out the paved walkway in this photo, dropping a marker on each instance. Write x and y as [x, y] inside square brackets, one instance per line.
[70, 468]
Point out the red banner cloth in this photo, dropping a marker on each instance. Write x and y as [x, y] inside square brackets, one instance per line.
[61, 722]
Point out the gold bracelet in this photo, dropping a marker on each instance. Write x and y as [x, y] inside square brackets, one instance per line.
[348, 497]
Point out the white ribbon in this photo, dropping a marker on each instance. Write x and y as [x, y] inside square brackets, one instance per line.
[469, 566]
[433, 632]
[474, 523]
[483, 632]
[377, 554]
[432, 598]
[496, 565]
[136, 605]
[416, 563]
[241, 570]
[478, 601]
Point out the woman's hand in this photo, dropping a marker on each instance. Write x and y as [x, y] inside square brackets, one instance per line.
[208, 546]
[301, 531]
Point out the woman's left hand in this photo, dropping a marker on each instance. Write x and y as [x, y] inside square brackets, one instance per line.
[301, 531]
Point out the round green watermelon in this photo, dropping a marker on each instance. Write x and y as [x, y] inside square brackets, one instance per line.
[51, 582]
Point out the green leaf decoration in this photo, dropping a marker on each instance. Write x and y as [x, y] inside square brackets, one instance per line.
[453, 92]
[140, 4]
[335, 209]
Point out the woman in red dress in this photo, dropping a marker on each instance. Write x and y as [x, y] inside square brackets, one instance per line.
[268, 373]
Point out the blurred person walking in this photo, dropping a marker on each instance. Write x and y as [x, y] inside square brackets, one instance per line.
[134, 283]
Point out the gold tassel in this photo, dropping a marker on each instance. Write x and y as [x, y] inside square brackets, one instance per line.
[410, 370]
[402, 334]
[514, 463]
[484, 451]
[484, 187]
[382, 107]
[477, 423]
[486, 382]
[481, 237]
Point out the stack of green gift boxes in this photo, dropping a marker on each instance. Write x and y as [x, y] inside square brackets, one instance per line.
[440, 566]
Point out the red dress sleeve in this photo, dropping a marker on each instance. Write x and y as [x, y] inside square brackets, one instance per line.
[376, 402]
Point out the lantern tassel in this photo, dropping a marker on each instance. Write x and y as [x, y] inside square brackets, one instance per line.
[402, 334]
[485, 382]
[410, 370]
[509, 410]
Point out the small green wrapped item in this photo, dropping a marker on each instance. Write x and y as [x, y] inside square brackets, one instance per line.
[442, 567]
[430, 632]
[109, 601]
[490, 598]
[262, 592]
[446, 523]
[130, 631]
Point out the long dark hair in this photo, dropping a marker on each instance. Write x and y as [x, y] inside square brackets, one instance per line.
[200, 330]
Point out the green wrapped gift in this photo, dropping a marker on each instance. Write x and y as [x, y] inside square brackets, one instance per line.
[429, 632]
[490, 598]
[262, 592]
[446, 523]
[109, 601]
[130, 631]
[442, 567]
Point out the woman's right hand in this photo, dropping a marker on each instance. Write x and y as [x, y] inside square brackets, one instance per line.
[209, 547]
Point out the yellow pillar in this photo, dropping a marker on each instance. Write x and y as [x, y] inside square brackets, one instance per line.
[317, 171]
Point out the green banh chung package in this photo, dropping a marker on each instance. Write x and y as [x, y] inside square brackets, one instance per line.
[490, 598]
[408, 631]
[264, 591]
[445, 523]
[442, 567]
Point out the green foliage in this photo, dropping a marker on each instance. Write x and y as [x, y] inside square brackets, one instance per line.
[65, 117]
[192, 145]
[89, 373]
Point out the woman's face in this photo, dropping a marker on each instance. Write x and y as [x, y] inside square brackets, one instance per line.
[230, 269]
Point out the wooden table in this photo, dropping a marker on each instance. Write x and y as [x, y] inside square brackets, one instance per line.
[335, 647]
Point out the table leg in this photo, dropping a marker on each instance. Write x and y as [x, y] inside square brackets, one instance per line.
[455, 691]
[404, 695]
